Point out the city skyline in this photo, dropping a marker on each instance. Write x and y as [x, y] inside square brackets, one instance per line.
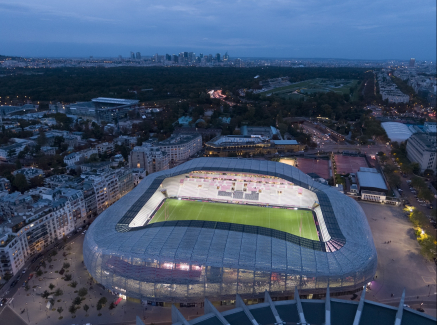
[369, 31]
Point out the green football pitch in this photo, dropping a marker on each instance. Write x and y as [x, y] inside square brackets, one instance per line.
[296, 222]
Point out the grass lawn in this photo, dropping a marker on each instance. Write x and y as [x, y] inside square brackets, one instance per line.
[296, 222]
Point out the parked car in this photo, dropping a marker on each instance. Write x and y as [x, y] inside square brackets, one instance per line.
[30, 276]
[24, 271]
[3, 301]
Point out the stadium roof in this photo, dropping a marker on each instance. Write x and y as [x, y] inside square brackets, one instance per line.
[308, 311]
[134, 259]
[369, 177]
[115, 101]
[396, 131]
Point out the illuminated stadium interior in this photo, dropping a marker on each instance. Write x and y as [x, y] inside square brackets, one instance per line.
[247, 199]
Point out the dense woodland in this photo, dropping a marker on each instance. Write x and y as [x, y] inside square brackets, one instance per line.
[75, 84]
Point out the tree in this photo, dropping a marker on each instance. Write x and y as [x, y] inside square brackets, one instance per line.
[20, 182]
[82, 292]
[72, 309]
[394, 180]
[73, 284]
[51, 286]
[59, 292]
[68, 277]
[39, 272]
[60, 310]
[86, 307]
[102, 301]
[45, 294]
[425, 194]
[428, 173]
[43, 264]
[418, 182]
[112, 305]
[42, 139]
[66, 265]
[77, 301]
[36, 181]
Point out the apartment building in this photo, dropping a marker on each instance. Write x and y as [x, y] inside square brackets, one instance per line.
[180, 147]
[26, 235]
[149, 157]
[421, 148]
[109, 186]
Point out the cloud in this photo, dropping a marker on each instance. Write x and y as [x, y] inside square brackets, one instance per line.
[306, 28]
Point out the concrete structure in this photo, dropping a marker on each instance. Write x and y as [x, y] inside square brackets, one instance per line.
[189, 261]
[11, 151]
[180, 147]
[75, 158]
[5, 184]
[103, 109]
[29, 173]
[244, 145]
[150, 158]
[421, 148]
[109, 186]
[370, 180]
[34, 221]
[104, 147]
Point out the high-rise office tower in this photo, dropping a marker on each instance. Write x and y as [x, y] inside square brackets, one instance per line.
[132, 55]
[217, 57]
[201, 56]
[226, 57]
[412, 62]
[138, 56]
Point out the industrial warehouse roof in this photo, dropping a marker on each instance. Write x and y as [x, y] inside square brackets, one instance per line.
[284, 142]
[130, 260]
[369, 177]
[396, 131]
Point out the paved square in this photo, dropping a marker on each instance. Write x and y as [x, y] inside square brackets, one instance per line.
[400, 264]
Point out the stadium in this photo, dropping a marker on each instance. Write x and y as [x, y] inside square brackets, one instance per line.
[216, 227]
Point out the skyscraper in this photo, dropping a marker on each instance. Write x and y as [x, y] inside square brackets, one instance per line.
[138, 56]
[226, 57]
[132, 55]
[412, 62]
[217, 57]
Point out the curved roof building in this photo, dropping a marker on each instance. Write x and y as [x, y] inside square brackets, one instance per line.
[129, 250]
[396, 131]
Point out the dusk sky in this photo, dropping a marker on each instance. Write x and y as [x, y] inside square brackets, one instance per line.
[351, 29]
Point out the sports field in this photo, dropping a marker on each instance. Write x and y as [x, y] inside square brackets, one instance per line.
[296, 222]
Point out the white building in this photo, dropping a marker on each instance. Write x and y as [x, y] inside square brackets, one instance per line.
[180, 147]
[29, 173]
[421, 148]
[109, 186]
[149, 157]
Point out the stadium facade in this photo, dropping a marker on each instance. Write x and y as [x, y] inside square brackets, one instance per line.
[189, 260]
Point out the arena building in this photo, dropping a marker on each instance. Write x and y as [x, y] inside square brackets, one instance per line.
[216, 227]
